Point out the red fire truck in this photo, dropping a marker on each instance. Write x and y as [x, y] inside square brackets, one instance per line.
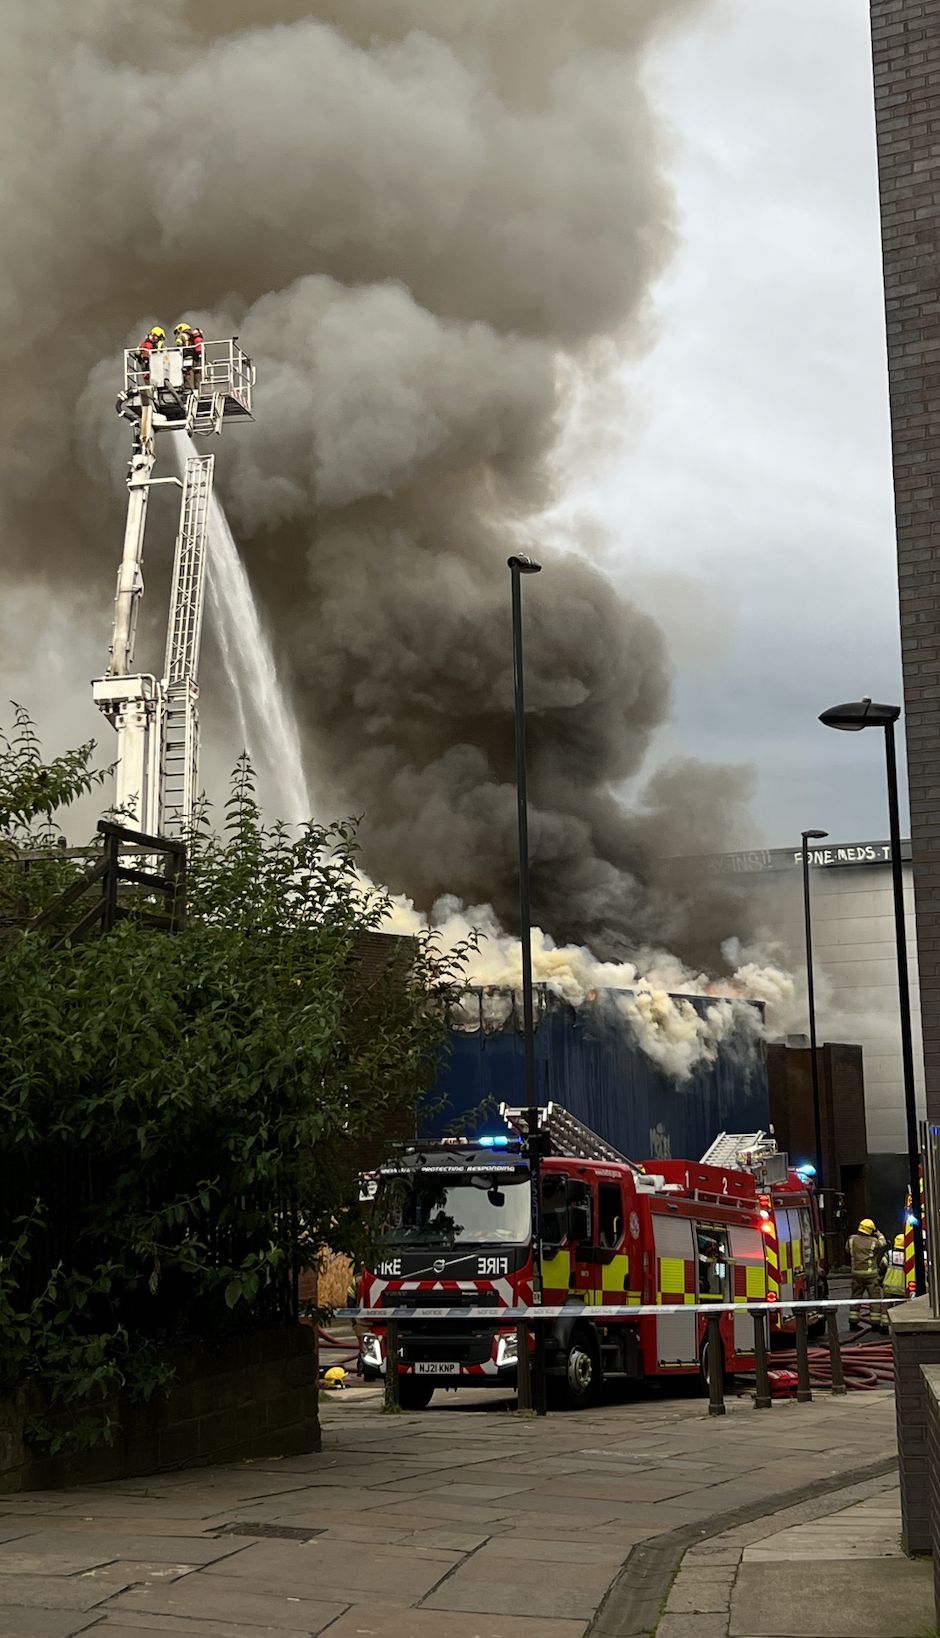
[454, 1221]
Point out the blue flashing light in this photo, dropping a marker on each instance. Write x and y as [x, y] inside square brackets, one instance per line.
[806, 1170]
[494, 1140]
[911, 1221]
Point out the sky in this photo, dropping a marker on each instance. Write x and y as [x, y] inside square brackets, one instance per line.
[742, 490]
[749, 503]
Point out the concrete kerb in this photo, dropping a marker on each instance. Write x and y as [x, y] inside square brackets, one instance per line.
[633, 1605]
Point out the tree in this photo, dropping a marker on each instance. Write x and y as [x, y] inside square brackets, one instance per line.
[32, 792]
[183, 1117]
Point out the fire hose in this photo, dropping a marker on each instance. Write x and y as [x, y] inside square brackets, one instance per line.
[338, 1344]
[865, 1366]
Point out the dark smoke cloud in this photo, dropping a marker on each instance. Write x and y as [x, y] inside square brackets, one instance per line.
[423, 217]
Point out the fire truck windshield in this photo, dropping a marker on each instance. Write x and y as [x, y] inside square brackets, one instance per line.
[481, 1209]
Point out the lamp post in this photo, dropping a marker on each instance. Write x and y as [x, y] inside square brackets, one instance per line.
[813, 836]
[852, 718]
[518, 566]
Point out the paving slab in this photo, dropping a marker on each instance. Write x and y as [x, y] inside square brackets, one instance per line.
[207, 1598]
[57, 1592]
[380, 1535]
[20, 1623]
[377, 1622]
[526, 1573]
[125, 1572]
[689, 1596]
[308, 1568]
[854, 1600]
[130, 1626]
[50, 1552]
[514, 1548]
[456, 1541]
[153, 1524]
[693, 1626]
[36, 1555]
[525, 1599]
[469, 1491]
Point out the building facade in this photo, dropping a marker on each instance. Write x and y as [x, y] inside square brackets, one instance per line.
[906, 62]
[855, 964]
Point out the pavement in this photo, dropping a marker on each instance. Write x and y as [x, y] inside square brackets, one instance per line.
[828, 1568]
[466, 1521]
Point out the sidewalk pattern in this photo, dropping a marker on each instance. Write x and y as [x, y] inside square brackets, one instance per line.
[461, 1522]
[821, 1570]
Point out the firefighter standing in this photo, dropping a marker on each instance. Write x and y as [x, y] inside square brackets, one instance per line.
[867, 1252]
[191, 343]
[895, 1283]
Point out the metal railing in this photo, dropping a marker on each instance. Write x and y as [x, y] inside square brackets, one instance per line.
[525, 1316]
[221, 366]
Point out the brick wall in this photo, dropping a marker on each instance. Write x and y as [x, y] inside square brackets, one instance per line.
[249, 1396]
[906, 58]
[931, 1376]
[915, 1337]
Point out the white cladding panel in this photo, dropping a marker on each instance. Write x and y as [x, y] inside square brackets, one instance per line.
[856, 976]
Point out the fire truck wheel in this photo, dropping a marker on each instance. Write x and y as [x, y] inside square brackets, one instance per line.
[414, 1393]
[579, 1384]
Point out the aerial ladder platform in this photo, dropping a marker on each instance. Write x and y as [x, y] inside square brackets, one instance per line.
[175, 390]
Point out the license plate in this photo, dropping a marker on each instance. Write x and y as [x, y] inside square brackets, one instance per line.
[433, 1367]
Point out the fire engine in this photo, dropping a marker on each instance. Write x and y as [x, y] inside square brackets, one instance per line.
[454, 1231]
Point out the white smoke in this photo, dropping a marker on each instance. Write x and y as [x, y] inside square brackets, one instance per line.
[650, 994]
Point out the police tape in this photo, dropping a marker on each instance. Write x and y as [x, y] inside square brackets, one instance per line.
[621, 1311]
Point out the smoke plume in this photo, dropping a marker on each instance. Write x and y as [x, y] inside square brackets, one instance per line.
[651, 994]
[430, 222]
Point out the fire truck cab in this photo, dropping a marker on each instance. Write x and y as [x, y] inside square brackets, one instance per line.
[455, 1232]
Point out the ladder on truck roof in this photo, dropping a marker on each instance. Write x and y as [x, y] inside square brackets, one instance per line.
[729, 1146]
[754, 1152]
[566, 1134]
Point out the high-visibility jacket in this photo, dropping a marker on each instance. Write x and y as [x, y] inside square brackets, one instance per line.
[895, 1282]
[866, 1254]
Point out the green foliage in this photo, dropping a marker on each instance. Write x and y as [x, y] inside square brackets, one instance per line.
[32, 792]
[183, 1117]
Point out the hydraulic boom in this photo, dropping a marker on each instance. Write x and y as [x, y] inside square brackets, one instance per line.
[172, 390]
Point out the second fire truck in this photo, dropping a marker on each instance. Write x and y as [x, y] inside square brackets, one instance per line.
[454, 1220]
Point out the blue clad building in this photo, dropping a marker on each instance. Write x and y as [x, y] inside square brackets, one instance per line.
[589, 1061]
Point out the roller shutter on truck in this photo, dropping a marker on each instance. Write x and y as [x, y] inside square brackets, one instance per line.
[750, 1282]
[676, 1334]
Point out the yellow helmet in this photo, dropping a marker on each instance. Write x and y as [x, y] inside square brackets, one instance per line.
[335, 1377]
[182, 328]
[158, 330]
[899, 1242]
[866, 1226]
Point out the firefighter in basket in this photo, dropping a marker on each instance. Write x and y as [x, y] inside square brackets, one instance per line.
[154, 342]
[895, 1284]
[867, 1255]
[190, 341]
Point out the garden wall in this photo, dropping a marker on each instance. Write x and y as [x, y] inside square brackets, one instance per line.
[245, 1397]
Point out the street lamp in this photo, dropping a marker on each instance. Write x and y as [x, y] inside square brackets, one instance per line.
[813, 836]
[852, 718]
[518, 566]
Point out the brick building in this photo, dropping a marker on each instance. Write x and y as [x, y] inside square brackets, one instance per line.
[906, 59]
